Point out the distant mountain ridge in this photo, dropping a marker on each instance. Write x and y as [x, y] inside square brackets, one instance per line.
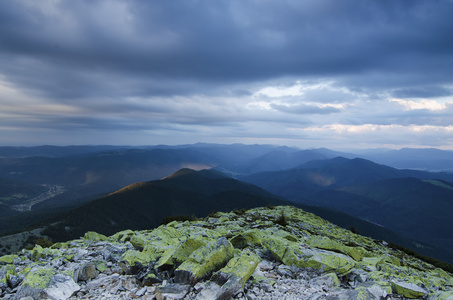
[416, 204]
[187, 192]
[428, 159]
[335, 180]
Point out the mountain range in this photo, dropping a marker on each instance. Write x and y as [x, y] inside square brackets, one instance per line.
[109, 188]
[413, 203]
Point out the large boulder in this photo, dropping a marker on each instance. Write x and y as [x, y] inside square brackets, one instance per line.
[408, 289]
[229, 280]
[203, 261]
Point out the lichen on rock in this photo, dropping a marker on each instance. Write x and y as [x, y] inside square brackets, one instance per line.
[203, 261]
[242, 254]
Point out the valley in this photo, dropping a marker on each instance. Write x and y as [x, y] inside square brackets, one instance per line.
[52, 191]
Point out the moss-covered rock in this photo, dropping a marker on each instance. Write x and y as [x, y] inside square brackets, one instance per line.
[323, 242]
[203, 261]
[122, 236]
[8, 259]
[239, 268]
[230, 246]
[134, 258]
[38, 277]
[138, 241]
[180, 253]
[94, 236]
[408, 289]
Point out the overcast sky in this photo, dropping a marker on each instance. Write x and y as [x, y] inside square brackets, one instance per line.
[337, 74]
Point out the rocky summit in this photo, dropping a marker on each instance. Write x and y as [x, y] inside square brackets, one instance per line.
[263, 253]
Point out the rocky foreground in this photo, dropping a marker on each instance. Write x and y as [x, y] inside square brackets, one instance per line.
[262, 253]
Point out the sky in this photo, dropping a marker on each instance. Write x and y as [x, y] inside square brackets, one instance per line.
[309, 73]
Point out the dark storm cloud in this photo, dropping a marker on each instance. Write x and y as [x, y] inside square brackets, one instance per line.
[77, 48]
[283, 69]
[305, 109]
[424, 92]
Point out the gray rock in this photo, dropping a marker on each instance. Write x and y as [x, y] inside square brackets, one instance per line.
[61, 287]
[172, 291]
[285, 271]
[408, 289]
[28, 291]
[14, 281]
[102, 281]
[328, 281]
[85, 272]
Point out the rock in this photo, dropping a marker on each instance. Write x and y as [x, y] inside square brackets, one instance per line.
[180, 253]
[172, 291]
[285, 271]
[138, 242]
[443, 296]
[85, 272]
[329, 280]
[43, 283]
[150, 279]
[323, 242]
[122, 236]
[408, 289]
[101, 266]
[94, 236]
[134, 261]
[306, 259]
[8, 259]
[13, 281]
[102, 281]
[61, 286]
[231, 279]
[322, 260]
[203, 261]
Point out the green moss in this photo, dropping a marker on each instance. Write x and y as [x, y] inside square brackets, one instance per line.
[60, 245]
[180, 253]
[323, 242]
[101, 265]
[246, 239]
[138, 242]
[38, 277]
[408, 290]
[8, 259]
[203, 261]
[241, 266]
[134, 257]
[122, 236]
[94, 236]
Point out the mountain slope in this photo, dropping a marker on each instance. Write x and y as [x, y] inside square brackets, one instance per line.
[145, 204]
[419, 209]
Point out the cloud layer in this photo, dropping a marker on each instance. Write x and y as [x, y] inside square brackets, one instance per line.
[307, 73]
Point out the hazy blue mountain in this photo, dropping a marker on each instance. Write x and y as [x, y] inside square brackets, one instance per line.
[429, 159]
[94, 173]
[416, 204]
[57, 151]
